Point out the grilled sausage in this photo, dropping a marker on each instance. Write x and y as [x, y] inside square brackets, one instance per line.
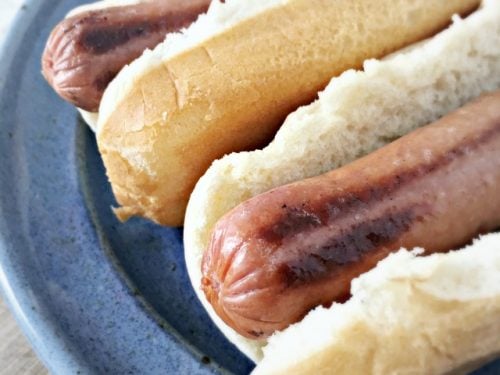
[275, 257]
[86, 51]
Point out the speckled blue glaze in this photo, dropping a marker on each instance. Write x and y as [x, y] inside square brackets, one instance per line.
[92, 295]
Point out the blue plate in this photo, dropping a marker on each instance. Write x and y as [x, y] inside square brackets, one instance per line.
[91, 294]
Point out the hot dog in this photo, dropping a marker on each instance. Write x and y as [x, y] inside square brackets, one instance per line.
[85, 51]
[280, 254]
[358, 113]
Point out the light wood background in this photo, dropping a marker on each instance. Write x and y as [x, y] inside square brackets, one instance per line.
[16, 355]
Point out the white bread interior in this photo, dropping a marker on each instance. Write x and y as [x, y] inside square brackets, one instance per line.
[357, 113]
[90, 118]
[409, 315]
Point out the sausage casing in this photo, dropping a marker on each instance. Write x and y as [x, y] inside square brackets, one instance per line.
[278, 255]
[86, 51]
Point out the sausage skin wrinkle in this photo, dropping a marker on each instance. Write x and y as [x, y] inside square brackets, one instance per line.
[278, 255]
[86, 51]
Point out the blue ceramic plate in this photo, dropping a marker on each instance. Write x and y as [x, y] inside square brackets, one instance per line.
[91, 294]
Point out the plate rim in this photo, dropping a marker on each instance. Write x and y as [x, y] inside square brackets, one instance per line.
[10, 281]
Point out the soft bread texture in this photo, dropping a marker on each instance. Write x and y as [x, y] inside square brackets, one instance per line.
[356, 114]
[90, 118]
[229, 80]
[409, 315]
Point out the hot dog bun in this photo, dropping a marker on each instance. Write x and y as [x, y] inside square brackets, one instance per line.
[410, 315]
[357, 113]
[229, 80]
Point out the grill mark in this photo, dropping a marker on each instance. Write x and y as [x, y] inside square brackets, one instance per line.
[104, 39]
[350, 247]
[295, 219]
[289, 224]
[104, 34]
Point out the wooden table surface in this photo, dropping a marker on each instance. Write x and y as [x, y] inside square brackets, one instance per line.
[16, 355]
